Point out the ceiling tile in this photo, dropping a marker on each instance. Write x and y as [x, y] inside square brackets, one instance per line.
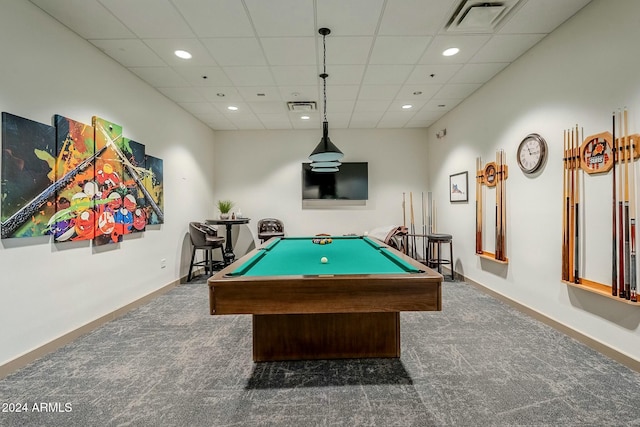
[506, 48]
[232, 51]
[418, 91]
[74, 14]
[204, 76]
[468, 45]
[541, 16]
[182, 94]
[249, 76]
[478, 73]
[273, 107]
[341, 92]
[346, 50]
[386, 92]
[220, 18]
[343, 75]
[457, 91]
[221, 94]
[338, 106]
[129, 52]
[433, 74]
[349, 18]
[302, 75]
[164, 22]
[371, 106]
[387, 74]
[165, 49]
[260, 93]
[282, 18]
[299, 93]
[415, 17]
[398, 50]
[290, 50]
[160, 76]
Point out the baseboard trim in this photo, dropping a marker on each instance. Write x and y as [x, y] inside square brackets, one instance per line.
[598, 346]
[25, 359]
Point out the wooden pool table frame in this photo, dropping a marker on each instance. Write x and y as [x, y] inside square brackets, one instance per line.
[325, 316]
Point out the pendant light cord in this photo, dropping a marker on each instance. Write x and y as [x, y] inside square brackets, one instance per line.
[324, 74]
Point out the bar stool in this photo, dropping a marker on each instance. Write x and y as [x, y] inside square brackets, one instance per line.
[437, 261]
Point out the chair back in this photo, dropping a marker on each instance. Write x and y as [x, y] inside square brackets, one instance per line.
[270, 225]
[197, 234]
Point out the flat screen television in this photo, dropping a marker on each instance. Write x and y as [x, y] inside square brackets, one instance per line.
[351, 182]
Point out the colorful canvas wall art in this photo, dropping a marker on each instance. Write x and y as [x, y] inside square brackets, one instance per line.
[74, 218]
[77, 181]
[154, 184]
[135, 201]
[28, 177]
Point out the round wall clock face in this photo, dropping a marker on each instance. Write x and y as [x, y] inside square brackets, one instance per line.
[532, 153]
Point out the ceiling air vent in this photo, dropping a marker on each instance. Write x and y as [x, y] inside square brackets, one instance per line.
[473, 16]
[302, 106]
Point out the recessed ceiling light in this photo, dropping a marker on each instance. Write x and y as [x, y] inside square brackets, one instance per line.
[305, 117]
[407, 106]
[182, 54]
[232, 108]
[451, 51]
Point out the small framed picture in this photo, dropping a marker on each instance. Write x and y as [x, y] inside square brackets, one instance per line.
[458, 184]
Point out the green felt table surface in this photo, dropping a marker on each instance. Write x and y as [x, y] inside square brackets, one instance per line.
[346, 255]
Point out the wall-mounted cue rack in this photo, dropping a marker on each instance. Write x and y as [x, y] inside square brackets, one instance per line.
[598, 154]
[493, 174]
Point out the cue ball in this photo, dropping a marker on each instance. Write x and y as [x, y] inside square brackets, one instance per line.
[324, 260]
[366, 233]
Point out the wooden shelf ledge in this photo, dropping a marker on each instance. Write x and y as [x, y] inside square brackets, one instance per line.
[492, 257]
[600, 289]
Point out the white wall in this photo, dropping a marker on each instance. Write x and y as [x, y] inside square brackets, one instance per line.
[261, 172]
[579, 74]
[48, 290]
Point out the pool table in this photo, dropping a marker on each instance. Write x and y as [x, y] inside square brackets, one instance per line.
[348, 307]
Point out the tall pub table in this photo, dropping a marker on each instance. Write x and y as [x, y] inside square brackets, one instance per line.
[229, 256]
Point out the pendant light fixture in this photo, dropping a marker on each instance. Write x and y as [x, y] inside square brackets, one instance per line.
[326, 151]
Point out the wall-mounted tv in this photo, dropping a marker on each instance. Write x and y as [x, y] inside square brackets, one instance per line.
[351, 182]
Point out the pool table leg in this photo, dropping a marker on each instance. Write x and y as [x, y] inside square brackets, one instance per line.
[325, 336]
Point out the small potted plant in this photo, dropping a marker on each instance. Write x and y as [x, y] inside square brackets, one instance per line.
[224, 206]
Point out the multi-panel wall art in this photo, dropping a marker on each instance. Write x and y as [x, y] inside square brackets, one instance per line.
[76, 181]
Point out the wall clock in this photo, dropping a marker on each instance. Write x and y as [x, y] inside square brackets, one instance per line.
[532, 153]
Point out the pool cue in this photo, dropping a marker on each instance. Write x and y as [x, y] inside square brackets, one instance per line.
[413, 228]
[499, 255]
[576, 271]
[621, 221]
[632, 227]
[565, 208]
[627, 243]
[479, 205]
[404, 215]
[502, 218]
[572, 206]
[424, 226]
[614, 247]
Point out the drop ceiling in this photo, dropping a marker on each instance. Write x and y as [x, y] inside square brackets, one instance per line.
[261, 55]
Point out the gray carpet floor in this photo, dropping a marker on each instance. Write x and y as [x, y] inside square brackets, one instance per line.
[479, 362]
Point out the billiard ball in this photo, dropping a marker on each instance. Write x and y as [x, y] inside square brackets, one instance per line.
[324, 260]
[366, 233]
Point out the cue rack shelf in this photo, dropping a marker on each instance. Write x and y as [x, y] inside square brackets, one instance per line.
[493, 174]
[598, 154]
